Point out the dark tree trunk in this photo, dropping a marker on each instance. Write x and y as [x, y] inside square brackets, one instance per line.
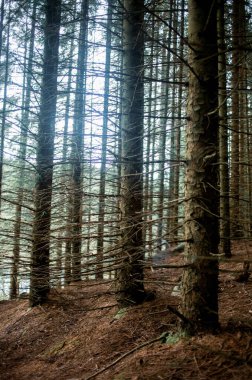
[130, 275]
[39, 287]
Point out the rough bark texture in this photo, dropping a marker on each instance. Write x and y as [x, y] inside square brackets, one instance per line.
[200, 280]
[39, 287]
[130, 276]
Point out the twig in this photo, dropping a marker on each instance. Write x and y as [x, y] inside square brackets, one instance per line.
[125, 355]
[179, 315]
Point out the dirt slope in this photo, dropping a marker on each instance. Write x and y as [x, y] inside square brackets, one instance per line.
[80, 333]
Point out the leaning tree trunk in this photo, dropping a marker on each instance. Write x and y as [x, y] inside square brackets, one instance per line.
[130, 275]
[39, 287]
[200, 279]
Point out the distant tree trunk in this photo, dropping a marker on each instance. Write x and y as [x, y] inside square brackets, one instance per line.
[1, 26]
[164, 93]
[151, 134]
[130, 275]
[243, 118]
[77, 145]
[39, 287]
[22, 155]
[175, 153]
[4, 109]
[234, 178]
[200, 279]
[223, 137]
[68, 227]
[101, 212]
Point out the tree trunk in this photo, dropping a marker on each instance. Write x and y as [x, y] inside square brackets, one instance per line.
[22, 155]
[77, 147]
[4, 110]
[101, 212]
[39, 287]
[234, 177]
[164, 94]
[130, 275]
[1, 26]
[223, 137]
[200, 279]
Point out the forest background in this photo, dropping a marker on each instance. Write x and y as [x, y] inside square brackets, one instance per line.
[101, 103]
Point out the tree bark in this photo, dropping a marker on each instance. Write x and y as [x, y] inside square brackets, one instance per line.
[39, 287]
[200, 279]
[130, 276]
[102, 189]
[223, 137]
[77, 147]
[22, 154]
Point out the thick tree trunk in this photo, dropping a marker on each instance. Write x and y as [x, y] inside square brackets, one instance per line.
[200, 279]
[39, 287]
[130, 275]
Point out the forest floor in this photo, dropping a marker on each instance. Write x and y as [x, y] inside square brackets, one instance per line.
[79, 333]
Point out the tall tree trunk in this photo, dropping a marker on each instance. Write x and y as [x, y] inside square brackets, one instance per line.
[164, 93]
[22, 155]
[150, 144]
[223, 137]
[39, 287]
[200, 279]
[234, 178]
[4, 109]
[1, 26]
[77, 146]
[101, 211]
[130, 276]
[175, 171]
[68, 227]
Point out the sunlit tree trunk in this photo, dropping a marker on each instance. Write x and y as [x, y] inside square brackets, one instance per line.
[130, 276]
[200, 280]
[39, 287]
